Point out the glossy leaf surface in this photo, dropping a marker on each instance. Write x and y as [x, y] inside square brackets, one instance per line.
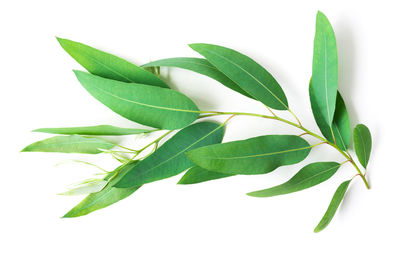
[107, 196]
[309, 176]
[333, 206]
[70, 144]
[197, 175]
[170, 159]
[201, 66]
[148, 105]
[258, 155]
[107, 65]
[246, 73]
[362, 143]
[325, 69]
[340, 126]
[100, 130]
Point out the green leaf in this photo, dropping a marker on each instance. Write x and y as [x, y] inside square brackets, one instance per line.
[309, 176]
[246, 73]
[258, 155]
[333, 206]
[340, 126]
[148, 105]
[325, 69]
[70, 144]
[107, 65]
[201, 66]
[107, 196]
[101, 130]
[362, 143]
[197, 175]
[170, 159]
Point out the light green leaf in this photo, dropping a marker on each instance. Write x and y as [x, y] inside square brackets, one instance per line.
[148, 105]
[87, 186]
[309, 176]
[197, 175]
[101, 130]
[170, 159]
[258, 155]
[246, 73]
[201, 66]
[107, 196]
[107, 65]
[340, 126]
[69, 144]
[325, 69]
[333, 206]
[362, 143]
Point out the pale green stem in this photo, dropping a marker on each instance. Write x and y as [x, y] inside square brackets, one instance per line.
[347, 156]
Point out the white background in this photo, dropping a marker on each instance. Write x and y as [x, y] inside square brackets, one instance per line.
[213, 221]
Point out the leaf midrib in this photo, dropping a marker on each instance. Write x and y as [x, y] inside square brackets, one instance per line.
[279, 100]
[258, 155]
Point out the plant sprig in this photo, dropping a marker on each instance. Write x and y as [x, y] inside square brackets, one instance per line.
[139, 94]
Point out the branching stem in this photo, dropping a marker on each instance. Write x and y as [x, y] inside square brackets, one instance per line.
[297, 125]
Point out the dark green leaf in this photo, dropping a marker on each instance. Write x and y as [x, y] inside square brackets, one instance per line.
[197, 175]
[201, 66]
[258, 155]
[107, 196]
[325, 69]
[340, 126]
[170, 159]
[148, 105]
[107, 65]
[101, 130]
[309, 176]
[246, 73]
[362, 143]
[333, 206]
[70, 144]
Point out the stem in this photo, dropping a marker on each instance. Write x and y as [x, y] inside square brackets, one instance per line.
[345, 154]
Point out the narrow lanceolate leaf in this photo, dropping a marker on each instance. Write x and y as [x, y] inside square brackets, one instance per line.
[148, 105]
[333, 206]
[325, 69]
[107, 196]
[101, 130]
[258, 155]
[362, 143]
[70, 144]
[197, 175]
[309, 176]
[107, 65]
[86, 187]
[170, 159]
[201, 66]
[246, 73]
[340, 131]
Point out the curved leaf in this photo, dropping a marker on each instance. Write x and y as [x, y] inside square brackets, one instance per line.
[309, 176]
[101, 130]
[201, 66]
[341, 122]
[107, 65]
[246, 73]
[333, 206]
[170, 159]
[197, 175]
[148, 105]
[362, 144]
[70, 144]
[325, 69]
[258, 155]
[86, 187]
[107, 196]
